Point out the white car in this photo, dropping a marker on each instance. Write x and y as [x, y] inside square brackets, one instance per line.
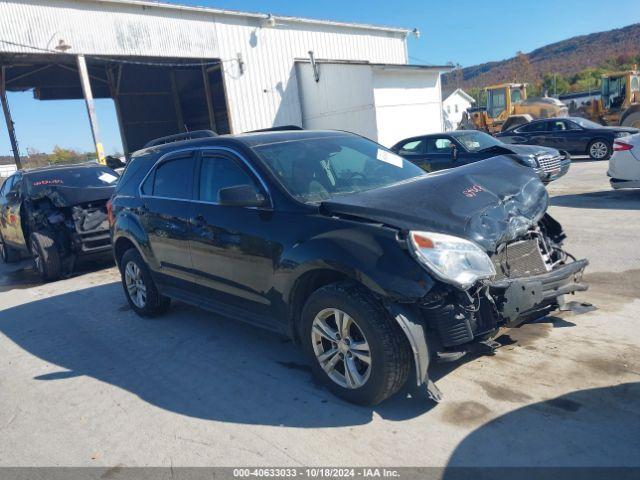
[624, 164]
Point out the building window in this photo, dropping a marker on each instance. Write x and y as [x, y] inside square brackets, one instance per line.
[456, 108]
[448, 108]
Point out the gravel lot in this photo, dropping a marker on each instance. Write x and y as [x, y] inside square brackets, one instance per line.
[84, 382]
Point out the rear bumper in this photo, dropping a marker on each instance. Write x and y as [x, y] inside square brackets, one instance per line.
[519, 297]
[617, 183]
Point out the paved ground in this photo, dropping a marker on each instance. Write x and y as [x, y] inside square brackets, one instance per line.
[85, 382]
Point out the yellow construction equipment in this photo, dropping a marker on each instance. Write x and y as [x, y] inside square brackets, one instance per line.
[508, 106]
[619, 102]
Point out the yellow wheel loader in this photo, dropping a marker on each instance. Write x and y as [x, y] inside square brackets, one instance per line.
[619, 102]
[508, 106]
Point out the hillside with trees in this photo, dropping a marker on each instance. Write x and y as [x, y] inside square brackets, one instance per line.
[575, 64]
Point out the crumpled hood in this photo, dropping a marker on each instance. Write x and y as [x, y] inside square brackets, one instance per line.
[490, 202]
[62, 196]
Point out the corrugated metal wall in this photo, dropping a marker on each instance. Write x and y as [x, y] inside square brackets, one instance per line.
[264, 94]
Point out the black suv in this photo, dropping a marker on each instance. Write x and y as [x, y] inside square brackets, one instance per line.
[374, 266]
[55, 215]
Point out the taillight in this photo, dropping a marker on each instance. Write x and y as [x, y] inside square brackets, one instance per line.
[110, 216]
[621, 146]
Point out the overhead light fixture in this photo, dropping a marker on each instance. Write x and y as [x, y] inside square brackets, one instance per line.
[62, 46]
[268, 22]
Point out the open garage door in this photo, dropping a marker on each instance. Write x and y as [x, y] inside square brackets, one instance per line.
[153, 97]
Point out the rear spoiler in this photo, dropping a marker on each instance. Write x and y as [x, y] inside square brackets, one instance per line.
[180, 137]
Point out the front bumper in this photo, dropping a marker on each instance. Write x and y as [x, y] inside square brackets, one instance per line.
[519, 297]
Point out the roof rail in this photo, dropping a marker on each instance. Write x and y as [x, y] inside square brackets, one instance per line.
[181, 136]
[282, 128]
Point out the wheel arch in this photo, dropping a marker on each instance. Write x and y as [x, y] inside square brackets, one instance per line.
[128, 233]
[635, 108]
[312, 278]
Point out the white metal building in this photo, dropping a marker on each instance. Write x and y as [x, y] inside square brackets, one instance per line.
[172, 68]
[454, 106]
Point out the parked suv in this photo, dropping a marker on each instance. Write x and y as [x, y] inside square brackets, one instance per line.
[55, 215]
[371, 264]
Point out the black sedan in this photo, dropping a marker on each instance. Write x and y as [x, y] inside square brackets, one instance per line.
[439, 151]
[576, 135]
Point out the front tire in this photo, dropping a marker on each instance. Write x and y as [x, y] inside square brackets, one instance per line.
[354, 347]
[45, 255]
[139, 288]
[599, 150]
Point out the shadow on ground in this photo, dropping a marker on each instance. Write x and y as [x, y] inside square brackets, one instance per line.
[599, 427]
[189, 361]
[21, 275]
[606, 199]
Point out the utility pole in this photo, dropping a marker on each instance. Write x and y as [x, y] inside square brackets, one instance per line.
[8, 119]
[88, 98]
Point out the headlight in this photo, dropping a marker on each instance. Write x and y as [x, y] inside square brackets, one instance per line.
[622, 134]
[530, 160]
[453, 260]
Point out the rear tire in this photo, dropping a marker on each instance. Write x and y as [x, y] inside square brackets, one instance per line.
[632, 120]
[139, 288]
[599, 150]
[371, 335]
[7, 254]
[45, 255]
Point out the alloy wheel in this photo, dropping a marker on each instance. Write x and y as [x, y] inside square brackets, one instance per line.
[341, 348]
[599, 150]
[136, 288]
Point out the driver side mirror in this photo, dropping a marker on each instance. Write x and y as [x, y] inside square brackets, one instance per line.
[454, 152]
[12, 196]
[241, 196]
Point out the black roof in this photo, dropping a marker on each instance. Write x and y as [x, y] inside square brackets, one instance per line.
[249, 139]
[71, 166]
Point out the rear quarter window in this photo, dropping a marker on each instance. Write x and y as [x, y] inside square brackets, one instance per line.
[133, 175]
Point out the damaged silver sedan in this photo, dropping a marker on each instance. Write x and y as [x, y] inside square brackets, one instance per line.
[55, 215]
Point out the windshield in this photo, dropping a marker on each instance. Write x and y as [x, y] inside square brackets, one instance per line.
[313, 170]
[584, 123]
[477, 141]
[83, 177]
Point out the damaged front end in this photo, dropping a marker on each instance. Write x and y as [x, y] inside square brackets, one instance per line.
[76, 221]
[483, 233]
[532, 273]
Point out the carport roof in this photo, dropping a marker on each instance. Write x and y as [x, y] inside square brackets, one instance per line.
[236, 13]
[383, 66]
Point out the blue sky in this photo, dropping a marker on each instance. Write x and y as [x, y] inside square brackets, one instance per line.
[464, 31]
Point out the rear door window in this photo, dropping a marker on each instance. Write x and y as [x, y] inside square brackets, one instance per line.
[174, 179]
[412, 147]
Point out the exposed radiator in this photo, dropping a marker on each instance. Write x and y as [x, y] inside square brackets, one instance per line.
[519, 259]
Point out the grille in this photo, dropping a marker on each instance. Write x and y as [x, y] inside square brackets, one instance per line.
[519, 259]
[549, 164]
